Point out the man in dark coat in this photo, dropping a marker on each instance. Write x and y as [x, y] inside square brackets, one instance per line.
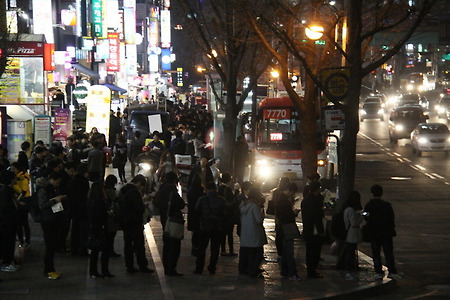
[211, 211]
[170, 204]
[313, 229]
[381, 226]
[132, 210]
[135, 149]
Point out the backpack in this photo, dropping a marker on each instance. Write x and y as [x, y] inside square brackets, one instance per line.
[179, 147]
[338, 229]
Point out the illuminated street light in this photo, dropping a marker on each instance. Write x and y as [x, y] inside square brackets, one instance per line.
[274, 73]
[314, 32]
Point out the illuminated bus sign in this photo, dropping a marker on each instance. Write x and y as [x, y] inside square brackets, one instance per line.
[276, 136]
[277, 113]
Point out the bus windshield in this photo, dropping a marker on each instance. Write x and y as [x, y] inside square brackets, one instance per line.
[279, 131]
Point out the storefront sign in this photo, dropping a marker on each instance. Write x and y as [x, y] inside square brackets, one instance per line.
[97, 15]
[62, 126]
[98, 107]
[165, 29]
[26, 49]
[49, 57]
[42, 129]
[113, 63]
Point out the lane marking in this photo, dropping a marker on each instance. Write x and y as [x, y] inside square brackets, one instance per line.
[165, 288]
[438, 176]
[397, 154]
[400, 159]
[429, 175]
[407, 159]
[421, 168]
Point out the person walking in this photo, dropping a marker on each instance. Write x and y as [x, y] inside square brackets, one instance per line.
[98, 227]
[313, 229]
[380, 220]
[195, 192]
[352, 221]
[170, 204]
[51, 208]
[132, 209]
[253, 236]
[120, 157]
[211, 209]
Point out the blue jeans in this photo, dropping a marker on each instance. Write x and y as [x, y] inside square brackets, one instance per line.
[288, 267]
[388, 249]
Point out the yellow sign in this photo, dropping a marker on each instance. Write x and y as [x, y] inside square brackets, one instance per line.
[335, 81]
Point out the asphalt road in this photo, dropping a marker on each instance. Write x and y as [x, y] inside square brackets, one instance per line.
[419, 190]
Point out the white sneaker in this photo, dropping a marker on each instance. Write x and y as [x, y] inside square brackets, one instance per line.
[9, 268]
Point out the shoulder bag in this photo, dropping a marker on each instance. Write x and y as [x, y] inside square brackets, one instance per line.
[174, 227]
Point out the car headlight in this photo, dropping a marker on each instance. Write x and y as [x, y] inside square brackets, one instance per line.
[393, 99]
[424, 104]
[363, 112]
[448, 140]
[399, 127]
[381, 111]
[441, 110]
[420, 88]
[145, 166]
[409, 87]
[422, 140]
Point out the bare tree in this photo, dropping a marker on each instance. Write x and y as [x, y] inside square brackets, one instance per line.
[230, 50]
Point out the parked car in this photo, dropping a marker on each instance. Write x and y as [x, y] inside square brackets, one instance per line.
[430, 137]
[371, 110]
[403, 120]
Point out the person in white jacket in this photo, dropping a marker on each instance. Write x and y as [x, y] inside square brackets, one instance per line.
[252, 236]
[352, 220]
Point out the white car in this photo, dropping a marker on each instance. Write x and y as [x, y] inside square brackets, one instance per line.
[430, 137]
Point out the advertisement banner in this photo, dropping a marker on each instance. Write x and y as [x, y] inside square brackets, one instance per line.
[42, 19]
[98, 107]
[153, 30]
[10, 83]
[113, 63]
[62, 126]
[97, 17]
[129, 25]
[42, 129]
[165, 29]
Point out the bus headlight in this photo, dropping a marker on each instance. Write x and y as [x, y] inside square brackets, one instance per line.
[321, 162]
[263, 168]
[422, 140]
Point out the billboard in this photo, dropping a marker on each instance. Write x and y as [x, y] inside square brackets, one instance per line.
[165, 29]
[98, 106]
[113, 63]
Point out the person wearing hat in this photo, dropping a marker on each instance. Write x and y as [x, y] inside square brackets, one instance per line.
[9, 221]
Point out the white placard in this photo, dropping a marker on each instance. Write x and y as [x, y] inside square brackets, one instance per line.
[154, 123]
[334, 119]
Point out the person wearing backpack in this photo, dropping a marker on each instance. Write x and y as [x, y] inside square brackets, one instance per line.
[131, 210]
[352, 221]
[380, 220]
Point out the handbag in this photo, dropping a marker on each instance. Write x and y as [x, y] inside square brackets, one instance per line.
[290, 231]
[324, 223]
[174, 227]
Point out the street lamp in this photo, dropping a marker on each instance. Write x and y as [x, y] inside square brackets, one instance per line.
[314, 32]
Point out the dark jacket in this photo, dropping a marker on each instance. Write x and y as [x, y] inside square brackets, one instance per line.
[380, 220]
[22, 160]
[193, 195]
[211, 209]
[46, 193]
[132, 206]
[168, 192]
[120, 151]
[9, 213]
[312, 214]
[98, 216]
[135, 149]
[284, 212]
[77, 192]
[232, 212]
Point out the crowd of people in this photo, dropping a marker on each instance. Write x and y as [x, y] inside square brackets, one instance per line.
[65, 190]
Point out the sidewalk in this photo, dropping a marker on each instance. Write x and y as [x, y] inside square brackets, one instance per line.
[28, 282]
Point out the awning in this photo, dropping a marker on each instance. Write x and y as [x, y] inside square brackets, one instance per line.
[115, 88]
[85, 70]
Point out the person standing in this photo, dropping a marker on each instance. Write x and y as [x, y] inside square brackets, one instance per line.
[240, 158]
[211, 211]
[313, 229]
[285, 214]
[114, 128]
[22, 159]
[352, 221]
[194, 193]
[283, 184]
[132, 209]
[111, 203]
[9, 221]
[170, 204]
[252, 235]
[96, 162]
[120, 156]
[381, 230]
[231, 213]
[49, 200]
[135, 150]
[98, 227]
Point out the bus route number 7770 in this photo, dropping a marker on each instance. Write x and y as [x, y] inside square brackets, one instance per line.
[281, 113]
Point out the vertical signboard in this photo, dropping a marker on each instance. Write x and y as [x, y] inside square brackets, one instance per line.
[179, 76]
[42, 19]
[42, 129]
[62, 127]
[113, 64]
[129, 16]
[97, 18]
[98, 107]
[165, 29]
[153, 30]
